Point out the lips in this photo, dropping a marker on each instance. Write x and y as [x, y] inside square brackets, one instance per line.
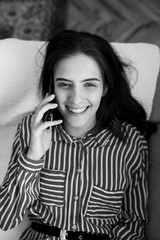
[77, 110]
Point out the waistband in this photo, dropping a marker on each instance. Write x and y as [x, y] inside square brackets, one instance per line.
[64, 234]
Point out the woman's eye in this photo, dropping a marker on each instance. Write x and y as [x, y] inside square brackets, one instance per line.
[90, 85]
[64, 85]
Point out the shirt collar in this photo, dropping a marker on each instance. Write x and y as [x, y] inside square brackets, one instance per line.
[102, 137]
[60, 134]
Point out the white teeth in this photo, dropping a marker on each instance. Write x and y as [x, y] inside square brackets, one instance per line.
[77, 110]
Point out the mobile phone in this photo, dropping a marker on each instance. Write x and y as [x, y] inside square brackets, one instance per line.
[52, 114]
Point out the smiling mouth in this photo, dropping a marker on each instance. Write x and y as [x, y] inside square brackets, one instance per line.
[77, 110]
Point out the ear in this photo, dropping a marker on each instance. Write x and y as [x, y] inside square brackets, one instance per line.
[104, 91]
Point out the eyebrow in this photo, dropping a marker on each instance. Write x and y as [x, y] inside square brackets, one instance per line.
[85, 80]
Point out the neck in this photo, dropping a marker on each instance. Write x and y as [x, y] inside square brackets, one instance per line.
[77, 132]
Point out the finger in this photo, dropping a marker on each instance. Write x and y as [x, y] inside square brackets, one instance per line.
[49, 124]
[39, 115]
[45, 101]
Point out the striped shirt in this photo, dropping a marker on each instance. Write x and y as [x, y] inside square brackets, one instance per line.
[97, 184]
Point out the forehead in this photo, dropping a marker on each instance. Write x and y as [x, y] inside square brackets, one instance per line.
[78, 64]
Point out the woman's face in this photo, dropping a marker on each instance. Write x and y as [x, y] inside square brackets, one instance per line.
[78, 89]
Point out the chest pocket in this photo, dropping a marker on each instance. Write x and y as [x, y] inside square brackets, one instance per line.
[104, 204]
[52, 184]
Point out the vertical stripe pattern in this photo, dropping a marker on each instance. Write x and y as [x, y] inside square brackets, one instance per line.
[96, 184]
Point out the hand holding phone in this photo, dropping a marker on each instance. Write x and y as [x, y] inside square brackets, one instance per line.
[52, 114]
[41, 134]
[48, 116]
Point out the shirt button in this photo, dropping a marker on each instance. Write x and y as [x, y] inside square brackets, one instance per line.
[79, 170]
[76, 198]
[74, 227]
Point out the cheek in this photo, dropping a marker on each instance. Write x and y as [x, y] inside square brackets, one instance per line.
[98, 96]
[60, 98]
[58, 95]
[96, 102]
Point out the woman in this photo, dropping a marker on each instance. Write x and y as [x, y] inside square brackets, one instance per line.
[79, 162]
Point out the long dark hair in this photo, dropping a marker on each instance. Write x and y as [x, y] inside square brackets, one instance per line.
[118, 101]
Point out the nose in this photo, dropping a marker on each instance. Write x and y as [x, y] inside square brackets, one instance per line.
[76, 95]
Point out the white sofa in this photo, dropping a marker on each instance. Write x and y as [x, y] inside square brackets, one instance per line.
[20, 67]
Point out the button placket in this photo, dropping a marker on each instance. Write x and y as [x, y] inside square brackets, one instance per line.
[76, 196]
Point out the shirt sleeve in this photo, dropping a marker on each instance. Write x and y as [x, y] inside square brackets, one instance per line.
[21, 184]
[135, 214]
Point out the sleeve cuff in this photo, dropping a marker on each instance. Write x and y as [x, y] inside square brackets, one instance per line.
[28, 164]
